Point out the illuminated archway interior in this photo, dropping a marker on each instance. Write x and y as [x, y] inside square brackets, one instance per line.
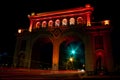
[72, 55]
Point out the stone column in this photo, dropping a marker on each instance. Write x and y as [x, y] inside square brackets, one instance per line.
[55, 59]
[16, 52]
[108, 52]
[28, 53]
[88, 19]
[31, 25]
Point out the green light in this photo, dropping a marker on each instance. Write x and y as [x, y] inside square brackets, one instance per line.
[73, 51]
[75, 54]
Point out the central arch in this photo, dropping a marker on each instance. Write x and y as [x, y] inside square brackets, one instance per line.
[41, 57]
[72, 48]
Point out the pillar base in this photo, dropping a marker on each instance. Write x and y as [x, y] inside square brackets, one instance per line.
[55, 67]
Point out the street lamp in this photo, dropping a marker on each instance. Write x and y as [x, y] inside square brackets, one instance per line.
[71, 62]
[71, 59]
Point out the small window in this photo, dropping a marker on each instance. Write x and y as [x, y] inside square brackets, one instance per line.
[64, 22]
[57, 22]
[50, 23]
[79, 20]
[44, 24]
[37, 25]
[72, 21]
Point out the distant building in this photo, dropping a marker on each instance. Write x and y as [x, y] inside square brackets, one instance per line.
[44, 45]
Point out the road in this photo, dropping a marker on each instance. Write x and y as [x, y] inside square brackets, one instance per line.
[35, 74]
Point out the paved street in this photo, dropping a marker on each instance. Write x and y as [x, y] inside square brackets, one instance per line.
[27, 74]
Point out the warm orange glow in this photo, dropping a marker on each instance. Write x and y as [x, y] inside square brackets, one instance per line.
[28, 15]
[87, 5]
[79, 10]
[19, 30]
[106, 22]
[55, 15]
[88, 19]
[37, 24]
[71, 59]
[33, 14]
[30, 30]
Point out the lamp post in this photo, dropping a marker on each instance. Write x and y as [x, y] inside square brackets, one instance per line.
[71, 59]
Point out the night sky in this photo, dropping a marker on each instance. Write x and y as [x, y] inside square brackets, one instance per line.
[14, 16]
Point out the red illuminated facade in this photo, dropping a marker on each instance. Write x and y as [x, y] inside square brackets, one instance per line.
[61, 26]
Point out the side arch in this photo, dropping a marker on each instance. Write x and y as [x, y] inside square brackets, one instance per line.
[88, 46]
[72, 48]
[41, 55]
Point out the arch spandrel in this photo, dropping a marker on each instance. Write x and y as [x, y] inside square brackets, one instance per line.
[34, 37]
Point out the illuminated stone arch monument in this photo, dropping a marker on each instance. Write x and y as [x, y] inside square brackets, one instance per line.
[48, 30]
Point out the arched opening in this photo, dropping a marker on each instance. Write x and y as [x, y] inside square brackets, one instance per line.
[64, 22]
[72, 21]
[37, 24]
[71, 56]
[57, 22]
[100, 66]
[44, 24]
[41, 57]
[50, 23]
